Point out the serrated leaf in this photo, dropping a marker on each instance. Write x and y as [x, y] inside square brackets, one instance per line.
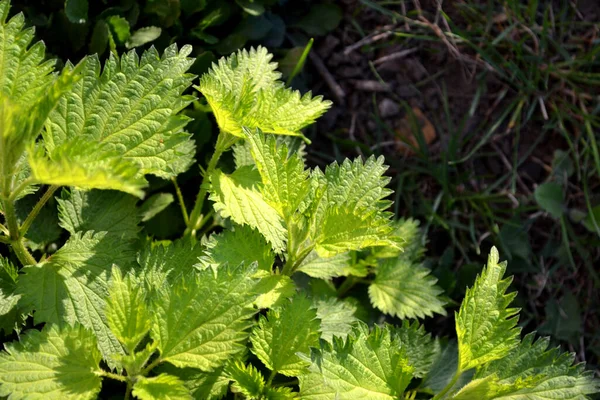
[155, 204]
[337, 318]
[100, 211]
[9, 316]
[531, 371]
[369, 365]
[114, 127]
[143, 36]
[344, 229]
[247, 379]
[284, 332]
[203, 385]
[419, 346]
[166, 262]
[236, 197]
[237, 246]
[71, 285]
[244, 90]
[405, 290]
[285, 182]
[203, 318]
[485, 326]
[444, 367]
[326, 267]
[274, 290]
[55, 363]
[127, 315]
[161, 387]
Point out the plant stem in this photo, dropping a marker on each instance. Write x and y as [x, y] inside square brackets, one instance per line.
[224, 142]
[111, 375]
[294, 262]
[184, 212]
[129, 388]
[14, 193]
[449, 386]
[271, 377]
[16, 241]
[4, 230]
[150, 366]
[36, 210]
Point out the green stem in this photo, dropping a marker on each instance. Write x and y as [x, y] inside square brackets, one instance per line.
[224, 141]
[271, 377]
[14, 193]
[111, 375]
[4, 230]
[150, 367]
[128, 391]
[16, 241]
[184, 212]
[449, 386]
[294, 262]
[4, 239]
[36, 210]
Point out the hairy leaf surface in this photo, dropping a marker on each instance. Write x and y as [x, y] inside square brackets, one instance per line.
[203, 318]
[243, 90]
[163, 387]
[284, 332]
[52, 364]
[72, 285]
[485, 326]
[368, 365]
[119, 124]
[237, 197]
[405, 290]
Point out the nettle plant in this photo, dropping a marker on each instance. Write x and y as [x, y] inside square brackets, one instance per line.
[251, 310]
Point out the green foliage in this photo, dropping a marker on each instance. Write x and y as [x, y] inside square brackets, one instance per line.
[182, 319]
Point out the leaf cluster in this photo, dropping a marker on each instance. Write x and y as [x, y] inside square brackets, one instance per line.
[258, 307]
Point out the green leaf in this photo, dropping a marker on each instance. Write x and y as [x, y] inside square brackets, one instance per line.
[283, 333]
[405, 290]
[77, 11]
[321, 19]
[28, 93]
[347, 207]
[337, 318]
[443, 369]
[203, 385]
[326, 267]
[71, 286]
[155, 204]
[274, 289]
[369, 365]
[55, 363]
[244, 90]
[247, 380]
[143, 36]
[119, 27]
[285, 182]
[531, 371]
[549, 197]
[420, 347]
[161, 387]
[344, 230]
[9, 315]
[237, 246]
[127, 315]
[252, 7]
[116, 126]
[24, 71]
[166, 262]
[236, 197]
[100, 211]
[45, 229]
[485, 326]
[203, 318]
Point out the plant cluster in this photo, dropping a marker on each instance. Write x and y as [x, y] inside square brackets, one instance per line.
[257, 308]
